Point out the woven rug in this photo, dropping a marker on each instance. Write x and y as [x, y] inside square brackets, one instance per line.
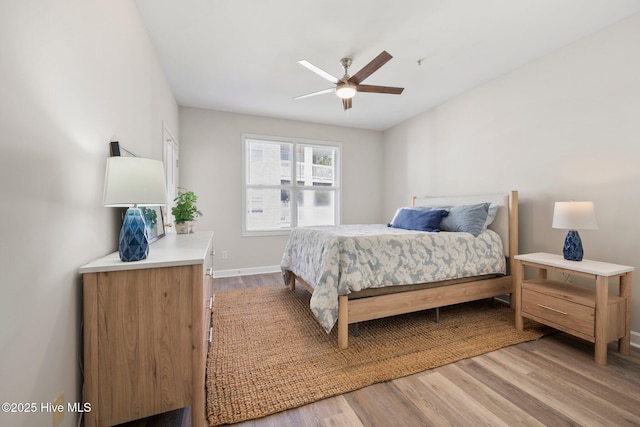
[269, 354]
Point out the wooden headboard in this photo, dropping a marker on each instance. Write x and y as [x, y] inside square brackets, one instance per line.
[505, 224]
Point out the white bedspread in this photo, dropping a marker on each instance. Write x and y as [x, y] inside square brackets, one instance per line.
[338, 260]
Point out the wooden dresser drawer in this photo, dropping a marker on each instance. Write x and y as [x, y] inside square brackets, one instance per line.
[558, 312]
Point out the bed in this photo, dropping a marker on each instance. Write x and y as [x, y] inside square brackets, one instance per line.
[357, 273]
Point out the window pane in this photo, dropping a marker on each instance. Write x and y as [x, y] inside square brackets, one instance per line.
[315, 166]
[268, 209]
[316, 207]
[268, 163]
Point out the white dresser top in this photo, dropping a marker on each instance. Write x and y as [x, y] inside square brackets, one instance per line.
[170, 251]
[585, 266]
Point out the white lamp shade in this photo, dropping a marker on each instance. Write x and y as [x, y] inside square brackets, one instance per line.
[574, 216]
[131, 181]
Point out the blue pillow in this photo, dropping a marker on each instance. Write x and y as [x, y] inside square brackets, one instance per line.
[416, 219]
[466, 218]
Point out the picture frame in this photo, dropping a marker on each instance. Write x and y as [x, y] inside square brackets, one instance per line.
[118, 150]
[154, 219]
[153, 215]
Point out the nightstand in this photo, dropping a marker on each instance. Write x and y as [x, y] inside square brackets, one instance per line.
[595, 316]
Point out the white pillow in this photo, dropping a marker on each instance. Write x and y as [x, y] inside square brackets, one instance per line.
[493, 211]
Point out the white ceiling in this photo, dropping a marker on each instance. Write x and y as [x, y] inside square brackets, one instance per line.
[241, 55]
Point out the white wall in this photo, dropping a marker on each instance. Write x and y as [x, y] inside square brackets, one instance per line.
[73, 74]
[565, 127]
[211, 166]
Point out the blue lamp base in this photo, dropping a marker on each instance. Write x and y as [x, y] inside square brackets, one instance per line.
[572, 249]
[133, 244]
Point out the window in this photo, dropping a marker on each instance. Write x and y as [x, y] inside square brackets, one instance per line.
[278, 171]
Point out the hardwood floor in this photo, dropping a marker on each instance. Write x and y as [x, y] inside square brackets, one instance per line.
[549, 382]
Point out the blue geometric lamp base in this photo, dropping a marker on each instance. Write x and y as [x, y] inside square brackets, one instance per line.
[133, 244]
[573, 246]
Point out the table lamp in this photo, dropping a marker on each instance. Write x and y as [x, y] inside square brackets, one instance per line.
[132, 182]
[574, 216]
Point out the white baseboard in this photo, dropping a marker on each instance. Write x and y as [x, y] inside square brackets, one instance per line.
[635, 339]
[247, 271]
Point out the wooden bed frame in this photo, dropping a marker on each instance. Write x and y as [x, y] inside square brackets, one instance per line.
[354, 308]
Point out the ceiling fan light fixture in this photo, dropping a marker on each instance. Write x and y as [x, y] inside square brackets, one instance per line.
[346, 91]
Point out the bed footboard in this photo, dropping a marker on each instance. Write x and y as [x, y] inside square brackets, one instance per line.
[363, 309]
[376, 307]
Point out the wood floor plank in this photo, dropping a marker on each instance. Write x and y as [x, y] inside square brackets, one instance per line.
[415, 391]
[455, 403]
[384, 405]
[328, 412]
[572, 353]
[498, 406]
[511, 391]
[576, 404]
[623, 398]
[337, 412]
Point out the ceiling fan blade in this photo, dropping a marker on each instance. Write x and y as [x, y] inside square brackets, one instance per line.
[346, 103]
[372, 66]
[319, 71]
[320, 92]
[380, 89]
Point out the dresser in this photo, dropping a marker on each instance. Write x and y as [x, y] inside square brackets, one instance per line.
[592, 314]
[147, 331]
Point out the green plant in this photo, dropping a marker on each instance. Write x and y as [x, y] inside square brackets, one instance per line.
[185, 209]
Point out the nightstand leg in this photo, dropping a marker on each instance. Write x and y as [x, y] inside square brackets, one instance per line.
[518, 275]
[602, 304]
[624, 343]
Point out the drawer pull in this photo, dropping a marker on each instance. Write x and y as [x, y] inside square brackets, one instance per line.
[210, 272]
[211, 302]
[211, 334]
[552, 309]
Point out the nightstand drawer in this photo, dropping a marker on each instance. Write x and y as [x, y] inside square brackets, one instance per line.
[559, 312]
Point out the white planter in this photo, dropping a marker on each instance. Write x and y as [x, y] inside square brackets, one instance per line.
[183, 228]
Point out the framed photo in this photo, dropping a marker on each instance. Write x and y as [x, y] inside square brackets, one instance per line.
[153, 215]
[154, 220]
[118, 150]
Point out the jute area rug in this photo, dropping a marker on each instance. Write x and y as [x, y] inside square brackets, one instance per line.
[269, 354]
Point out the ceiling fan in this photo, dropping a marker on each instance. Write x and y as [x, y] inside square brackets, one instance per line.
[347, 86]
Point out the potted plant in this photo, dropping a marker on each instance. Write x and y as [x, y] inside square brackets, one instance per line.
[185, 211]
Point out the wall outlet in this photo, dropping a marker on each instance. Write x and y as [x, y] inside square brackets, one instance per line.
[225, 254]
[58, 410]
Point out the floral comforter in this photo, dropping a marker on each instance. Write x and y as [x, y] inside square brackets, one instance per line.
[338, 260]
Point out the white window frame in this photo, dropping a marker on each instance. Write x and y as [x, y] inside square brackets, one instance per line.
[293, 187]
